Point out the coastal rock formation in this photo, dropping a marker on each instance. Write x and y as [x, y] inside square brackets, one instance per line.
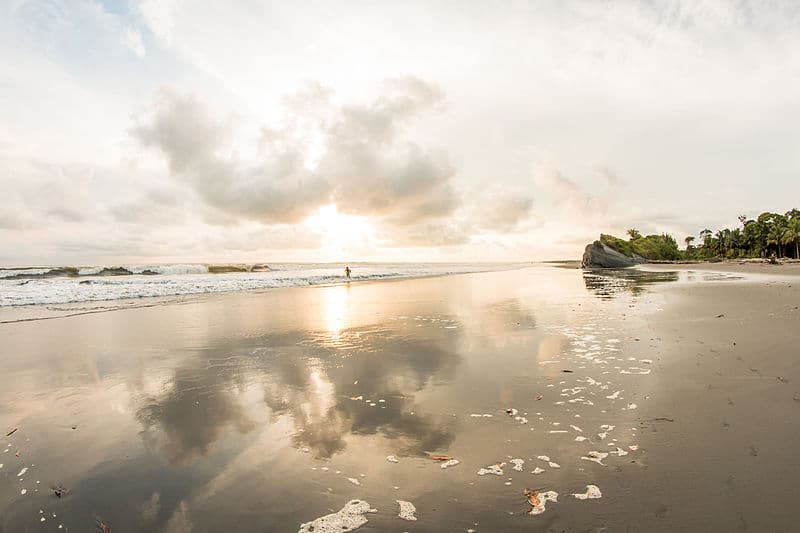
[599, 255]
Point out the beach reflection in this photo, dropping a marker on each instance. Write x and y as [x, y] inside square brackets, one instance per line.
[335, 307]
[609, 283]
[313, 381]
[245, 405]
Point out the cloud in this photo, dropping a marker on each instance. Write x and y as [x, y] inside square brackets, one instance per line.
[323, 152]
[438, 233]
[159, 16]
[571, 197]
[133, 40]
[612, 178]
[501, 209]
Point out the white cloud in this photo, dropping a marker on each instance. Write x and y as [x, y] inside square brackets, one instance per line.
[133, 40]
[159, 15]
[363, 164]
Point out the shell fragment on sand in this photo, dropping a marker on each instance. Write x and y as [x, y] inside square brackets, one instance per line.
[537, 471]
[517, 464]
[407, 510]
[449, 463]
[592, 493]
[350, 517]
[538, 500]
[392, 459]
[496, 469]
[595, 457]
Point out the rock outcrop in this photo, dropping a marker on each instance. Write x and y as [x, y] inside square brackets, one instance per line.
[598, 255]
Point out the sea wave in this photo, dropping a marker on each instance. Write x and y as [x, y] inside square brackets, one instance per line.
[70, 285]
[129, 270]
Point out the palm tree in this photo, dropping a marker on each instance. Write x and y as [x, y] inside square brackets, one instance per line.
[688, 240]
[736, 240]
[791, 234]
[634, 234]
[721, 242]
[775, 236]
[743, 220]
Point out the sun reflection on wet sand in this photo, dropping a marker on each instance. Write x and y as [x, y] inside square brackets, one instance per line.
[335, 309]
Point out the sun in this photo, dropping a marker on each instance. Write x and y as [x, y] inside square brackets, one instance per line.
[343, 236]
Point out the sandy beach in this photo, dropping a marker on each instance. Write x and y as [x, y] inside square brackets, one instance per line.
[674, 392]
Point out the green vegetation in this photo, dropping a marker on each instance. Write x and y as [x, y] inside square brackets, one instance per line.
[652, 247]
[769, 235]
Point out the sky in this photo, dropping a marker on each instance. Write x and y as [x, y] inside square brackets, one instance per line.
[141, 131]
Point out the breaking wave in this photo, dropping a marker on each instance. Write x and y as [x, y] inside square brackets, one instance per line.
[134, 270]
[32, 286]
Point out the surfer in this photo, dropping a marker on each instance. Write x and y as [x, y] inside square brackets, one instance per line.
[347, 272]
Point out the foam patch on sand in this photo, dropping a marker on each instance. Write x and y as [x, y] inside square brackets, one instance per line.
[592, 493]
[407, 510]
[517, 464]
[350, 517]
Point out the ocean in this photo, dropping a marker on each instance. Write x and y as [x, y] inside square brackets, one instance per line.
[30, 286]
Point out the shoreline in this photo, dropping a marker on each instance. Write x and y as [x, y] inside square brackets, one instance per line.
[789, 268]
[18, 312]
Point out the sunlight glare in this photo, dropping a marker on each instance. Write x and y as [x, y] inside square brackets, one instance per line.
[335, 309]
[342, 234]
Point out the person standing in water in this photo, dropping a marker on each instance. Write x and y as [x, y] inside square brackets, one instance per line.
[347, 272]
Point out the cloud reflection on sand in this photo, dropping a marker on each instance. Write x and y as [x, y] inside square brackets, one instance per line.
[303, 377]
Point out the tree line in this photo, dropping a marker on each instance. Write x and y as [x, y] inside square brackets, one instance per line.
[769, 235]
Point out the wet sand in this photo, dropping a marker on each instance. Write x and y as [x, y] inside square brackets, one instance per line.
[259, 412]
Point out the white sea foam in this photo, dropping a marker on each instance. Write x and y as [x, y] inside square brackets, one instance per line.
[350, 517]
[592, 493]
[407, 510]
[68, 285]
